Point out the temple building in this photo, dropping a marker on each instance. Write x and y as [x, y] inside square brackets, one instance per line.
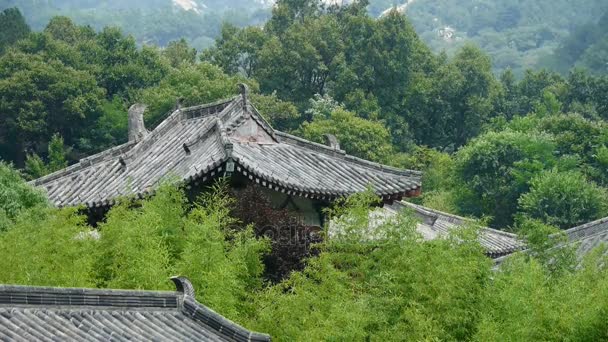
[29, 313]
[229, 138]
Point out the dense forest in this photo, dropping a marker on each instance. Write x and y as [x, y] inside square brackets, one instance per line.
[517, 35]
[527, 154]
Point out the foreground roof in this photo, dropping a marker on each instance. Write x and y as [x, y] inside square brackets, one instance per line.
[435, 224]
[70, 314]
[198, 143]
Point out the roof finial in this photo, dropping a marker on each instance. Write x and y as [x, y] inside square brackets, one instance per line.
[183, 285]
[137, 129]
[332, 141]
[244, 89]
[178, 103]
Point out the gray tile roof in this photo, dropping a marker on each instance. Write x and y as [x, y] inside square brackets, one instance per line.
[71, 314]
[197, 143]
[585, 238]
[589, 235]
[436, 223]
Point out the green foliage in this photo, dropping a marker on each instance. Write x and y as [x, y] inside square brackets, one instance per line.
[194, 84]
[527, 302]
[111, 126]
[222, 263]
[40, 98]
[449, 107]
[585, 47]
[236, 50]
[48, 247]
[35, 167]
[437, 178]
[155, 22]
[16, 196]
[518, 35]
[577, 138]
[281, 115]
[383, 283]
[179, 52]
[385, 289]
[139, 246]
[363, 138]
[563, 199]
[135, 253]
[71, 80]
[547, 245]
[12, 27]
[57, 154]
[495, 170]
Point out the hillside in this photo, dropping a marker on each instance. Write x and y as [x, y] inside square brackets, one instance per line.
[516, 34]
[155, 22]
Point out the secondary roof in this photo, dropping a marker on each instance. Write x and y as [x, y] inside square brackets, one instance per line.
[434, 224]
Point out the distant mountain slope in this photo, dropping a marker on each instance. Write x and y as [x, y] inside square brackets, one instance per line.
[586, 47]
[150, 21]
[518, 34]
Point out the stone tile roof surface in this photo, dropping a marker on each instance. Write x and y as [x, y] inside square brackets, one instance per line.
[436, 223]
[589, 235]
[71, 314]
[584, 238]
[197, 143]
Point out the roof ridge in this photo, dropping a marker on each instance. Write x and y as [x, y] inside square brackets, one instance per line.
[259, 118]
[341, 153]
[38, 295]
[452, 217]
[199, 109]
[191, 307]
[86, 162]
[584, 227]
[298, 141]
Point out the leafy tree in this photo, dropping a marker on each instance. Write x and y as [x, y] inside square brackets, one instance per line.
[111, 128]
[448, 108]
[57, 154]
[194, 84]
[124, 66]
[12, 27]
[547, 245]
[576, 138]
[363, 138]
[495, 170]
[437, 177]
[528, 301]
[179, 52]
[16, 196]
[134, 253]
[563, 199]
[281, 115]
[302, 61]
[35, 166]
[222, 262]
[415, 289]
[48, 247]
[41, 98]
[237, 50]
